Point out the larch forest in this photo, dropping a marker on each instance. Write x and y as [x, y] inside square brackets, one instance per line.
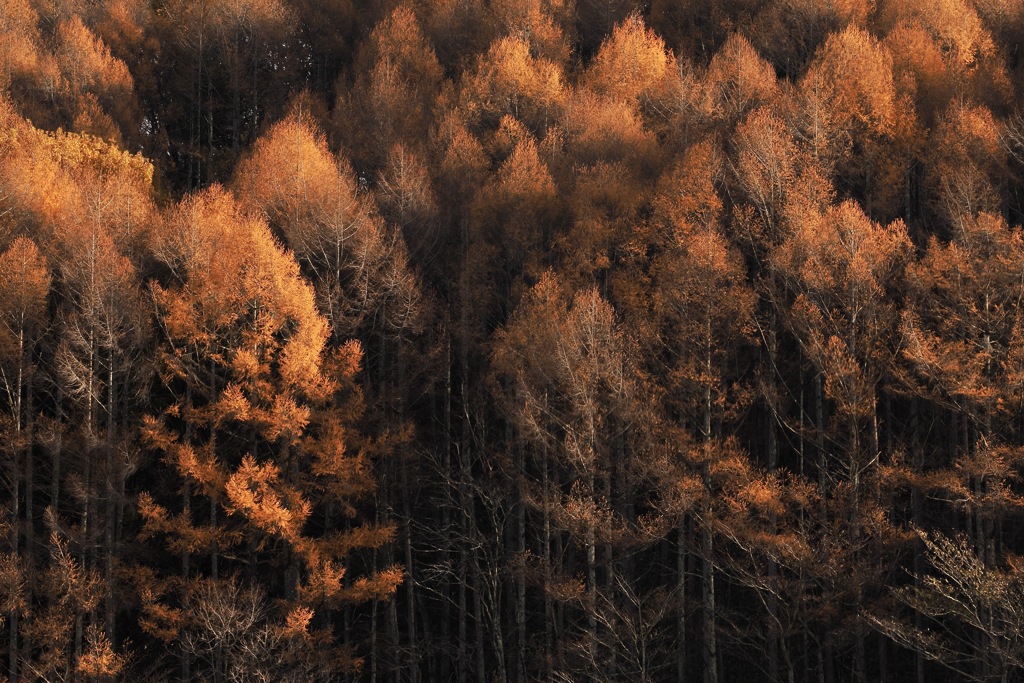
[493, 341]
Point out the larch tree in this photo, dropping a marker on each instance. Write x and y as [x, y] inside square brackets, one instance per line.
[263, 423]
[962, 345]
[842, 271]
[966, 162]
[848, 94]
[767, 165]
[99, 85]
[577, 414]
[919, 69]
[737, 80]
[407, 201]
[548, 25]
[603, 128]
[635, 66]
[26, 71]
[514, 217]
[360, 269]
[357, 264]
[510, 81]
[705, 312]
[392, 100]
[24, 287]
[603, 245]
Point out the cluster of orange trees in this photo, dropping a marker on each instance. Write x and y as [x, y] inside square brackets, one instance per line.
[508, 340]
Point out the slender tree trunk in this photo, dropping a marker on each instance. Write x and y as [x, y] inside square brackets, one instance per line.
[917, 512]
[374, 650]
[30, 459]
[591, 582]
[209, 116]
[549, 611]
[478, 628]
[255, 87]
[236, 95]
[12, 667]
[394, 637]
[13, 622]
[410, 578]
[823, 464]
[108, 568]
[88, 550]
[186, 512]
[773, 459]
[460, 662]
[860, 649]
[464, 463]
[609, 574]
[826, 669]
[681, 602]
[520, 610]
[559, 608]
[446, 517]
[710, 646]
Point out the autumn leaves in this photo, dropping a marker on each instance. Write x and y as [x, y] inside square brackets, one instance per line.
[514, 339]
[245, 390]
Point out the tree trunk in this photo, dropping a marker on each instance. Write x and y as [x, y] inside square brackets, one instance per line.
[710, 644]
[374, 650]
[108, 565]
[591, 550]
[520, 609]
[681, 602]
[478, 628]
[444, 668]
[550, 624]
[773, 459]
[13, 622]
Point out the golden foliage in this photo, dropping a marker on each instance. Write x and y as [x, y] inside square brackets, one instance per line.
[509, 80]
[99, 659]
[737, 80]
[846, 92]
[255, 491]
[632, 65]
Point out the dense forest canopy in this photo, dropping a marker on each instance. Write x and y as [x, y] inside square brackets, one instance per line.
[509, 340]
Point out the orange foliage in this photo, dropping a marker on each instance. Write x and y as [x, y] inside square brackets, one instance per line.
[548, 25]
[963, 326]
[313, 199]
[737, 80]
[965, 162]
[842, 266]
[847, 92]
[605, 128]
[509, 80]
[391, 101]
[632, 64]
